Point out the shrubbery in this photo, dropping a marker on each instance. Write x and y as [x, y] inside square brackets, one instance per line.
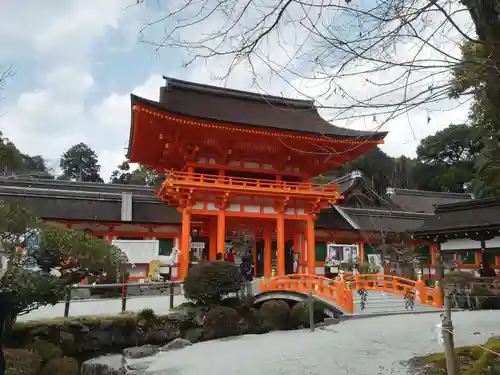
[299, 314]
[46, 350]
[275, 314]
[208, 282]
[221, 321]
[22, 362]
[61, 366]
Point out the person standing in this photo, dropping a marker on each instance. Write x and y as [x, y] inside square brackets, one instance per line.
[230, 256]
[246, 270]
[5, 311]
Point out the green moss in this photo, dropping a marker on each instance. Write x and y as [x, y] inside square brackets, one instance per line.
[20, 328]
[471, 360]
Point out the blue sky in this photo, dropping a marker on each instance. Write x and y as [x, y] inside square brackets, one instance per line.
[77, 61]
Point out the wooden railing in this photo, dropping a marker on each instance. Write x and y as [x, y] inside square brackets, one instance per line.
[194, 179]
[103, 293]
[331, 290]
[341, 291]
[397, 285]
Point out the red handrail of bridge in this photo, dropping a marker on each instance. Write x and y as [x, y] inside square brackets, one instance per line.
[341, 291]
[397, 285]
[329, 289]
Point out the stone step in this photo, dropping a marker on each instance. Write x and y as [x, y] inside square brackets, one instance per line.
[378, 302]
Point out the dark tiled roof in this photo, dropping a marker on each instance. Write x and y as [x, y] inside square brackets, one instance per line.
[383, 220]
[463, 216]
[75, 186]
[355, 183]
[56, 200]
[247, 108]
[332, 219]
[384, 217]
[423, 201]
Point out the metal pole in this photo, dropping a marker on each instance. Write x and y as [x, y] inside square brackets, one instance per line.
[310, 301]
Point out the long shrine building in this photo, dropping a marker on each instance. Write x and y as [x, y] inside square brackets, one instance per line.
[240, 161]
[238, 168]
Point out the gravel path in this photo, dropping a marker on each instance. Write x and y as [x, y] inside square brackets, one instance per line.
[371, 346]
[160, 305]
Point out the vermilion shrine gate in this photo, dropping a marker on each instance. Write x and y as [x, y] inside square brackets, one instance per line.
[237, 161]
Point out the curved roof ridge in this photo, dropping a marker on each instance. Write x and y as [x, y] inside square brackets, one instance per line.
[322, 128]
[240, 94]
[401, 191]
[472, 203]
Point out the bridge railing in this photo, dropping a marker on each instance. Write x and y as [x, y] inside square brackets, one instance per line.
[397, 285]
[331, 290]
[341, 291]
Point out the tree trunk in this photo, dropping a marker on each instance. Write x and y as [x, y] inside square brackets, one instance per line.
[486, 17]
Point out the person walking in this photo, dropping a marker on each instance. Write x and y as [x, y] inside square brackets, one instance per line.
[246, 269]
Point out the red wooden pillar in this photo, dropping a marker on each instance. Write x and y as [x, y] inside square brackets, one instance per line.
[280, 244]
[185, 243]
[268, 243]
[212, 229]
[311, 246]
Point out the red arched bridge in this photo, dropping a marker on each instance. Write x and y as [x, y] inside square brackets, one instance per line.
[341, 294]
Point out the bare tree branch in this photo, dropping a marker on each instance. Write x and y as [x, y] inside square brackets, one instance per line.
[362, 62]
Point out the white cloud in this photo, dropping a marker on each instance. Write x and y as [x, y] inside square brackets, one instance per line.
[59, 39]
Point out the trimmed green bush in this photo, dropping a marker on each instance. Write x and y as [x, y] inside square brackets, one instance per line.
[208, 282]
[221, 321]
[147, 314]
[61, 366]
[22, 362]
[275, 314]
[254, 321]
[46, 350]
[299, 314]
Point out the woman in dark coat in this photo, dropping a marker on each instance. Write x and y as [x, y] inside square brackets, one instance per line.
[5, 310]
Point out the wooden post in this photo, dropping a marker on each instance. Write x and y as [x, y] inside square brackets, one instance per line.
[67, 303]
[171, 290]
[280, 244]
[311, 247]
[310, 302]
[446, 322]
[448, 339]
[124, 297]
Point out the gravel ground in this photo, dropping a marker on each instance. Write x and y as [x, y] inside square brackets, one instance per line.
[371, 346]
